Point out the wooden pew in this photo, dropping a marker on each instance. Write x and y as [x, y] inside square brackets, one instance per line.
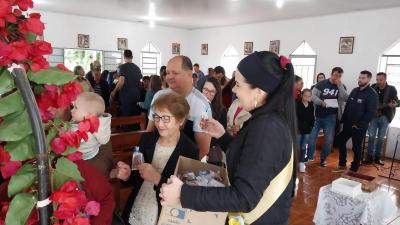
[129, 120]
[122, 146]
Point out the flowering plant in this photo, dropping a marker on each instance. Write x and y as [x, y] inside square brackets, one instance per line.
[54, 89]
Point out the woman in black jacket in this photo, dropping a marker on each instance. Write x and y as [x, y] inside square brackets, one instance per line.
[161, 151]
[260, 160]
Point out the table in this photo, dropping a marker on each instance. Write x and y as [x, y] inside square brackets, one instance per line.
[366, 208]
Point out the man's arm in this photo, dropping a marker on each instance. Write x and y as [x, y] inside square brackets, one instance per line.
[203, 141]
[120, 84]
[315, 96]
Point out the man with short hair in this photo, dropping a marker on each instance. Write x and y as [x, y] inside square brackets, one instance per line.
[360, 109]
[201, 79]
[129, 88]
[329, 97]
[179, 79]
[388, 101]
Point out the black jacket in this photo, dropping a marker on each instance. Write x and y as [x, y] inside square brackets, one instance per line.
[360, 107]
[260, 151]
[105, 90]
[185, 147]
[305, 117]
[390, 94]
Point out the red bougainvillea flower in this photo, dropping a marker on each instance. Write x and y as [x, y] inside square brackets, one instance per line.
[5, 8]
[5, 49]
[17, 12]
[78, 220]
[39, 63]
[24, 4]
[69, 200]
[39, 48]
[8, 168]
[92, 208]
[34, 25]
[58, 145]
[94, 124]
[51, 88]
[69, 93]
[19, 50]
[83, 135]
[70, 138]
[33, 218]
[63, 68]
[75, 156]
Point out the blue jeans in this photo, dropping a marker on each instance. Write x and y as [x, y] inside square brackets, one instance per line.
[381, 124]
[328, 125]
[303, 140]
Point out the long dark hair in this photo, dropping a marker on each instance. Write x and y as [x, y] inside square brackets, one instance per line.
[155, 83]
[281, 99]
[216, 105]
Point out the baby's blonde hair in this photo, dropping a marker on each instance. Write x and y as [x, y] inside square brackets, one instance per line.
[93, 103]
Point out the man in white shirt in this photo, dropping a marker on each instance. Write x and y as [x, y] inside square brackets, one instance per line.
[179, 79]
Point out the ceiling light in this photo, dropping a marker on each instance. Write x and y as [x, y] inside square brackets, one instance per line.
[279, 3]
[152, 9]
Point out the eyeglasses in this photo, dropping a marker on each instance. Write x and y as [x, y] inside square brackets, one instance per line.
[208, 91]
[165, 119]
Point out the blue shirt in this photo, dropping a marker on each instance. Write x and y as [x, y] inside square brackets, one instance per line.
[328, 91]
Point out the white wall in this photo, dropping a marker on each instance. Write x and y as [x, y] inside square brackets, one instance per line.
[62, 31]
[374, 32]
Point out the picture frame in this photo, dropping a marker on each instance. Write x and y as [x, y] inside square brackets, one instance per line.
[122, 43]
[176, 48]
[346, 45]
[83, 41]
[248, 48]
[274, 46]
[204, 49]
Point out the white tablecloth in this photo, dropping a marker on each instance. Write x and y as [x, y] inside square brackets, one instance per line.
[366, 208]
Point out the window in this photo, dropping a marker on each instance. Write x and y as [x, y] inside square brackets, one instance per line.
[82, 57]
[304, 60]
[230, 60]
[390, 64]
[57, 57]
[111, 60]
[150, 59]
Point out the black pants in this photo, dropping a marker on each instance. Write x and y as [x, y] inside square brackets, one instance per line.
[357, 136]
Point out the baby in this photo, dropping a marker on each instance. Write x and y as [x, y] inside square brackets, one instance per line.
[89, 104]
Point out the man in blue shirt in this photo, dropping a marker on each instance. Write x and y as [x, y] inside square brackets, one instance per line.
[329, 97]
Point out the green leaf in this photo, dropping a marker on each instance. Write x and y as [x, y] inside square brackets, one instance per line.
[11, 103]
[15, 126]
[22, 180]
[30, 37]
[20, 208]
[65, 171]
[53, 132]
[6, 82]
[69, 151]
[21, 150]
[38, 89]
[51, 76]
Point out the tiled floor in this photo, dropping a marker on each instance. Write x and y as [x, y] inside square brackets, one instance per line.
[315, 177]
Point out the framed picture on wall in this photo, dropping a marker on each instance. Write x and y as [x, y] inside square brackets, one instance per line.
[176, 48]
[122, 43]
[83, 41]
[248, 48]
[346, 45]
[274, 46]
[204, 49]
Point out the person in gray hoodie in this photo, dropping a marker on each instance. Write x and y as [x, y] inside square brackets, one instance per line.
[89, 104]
[329, 97]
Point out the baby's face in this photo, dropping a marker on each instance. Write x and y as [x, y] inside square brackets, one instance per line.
[79, 111]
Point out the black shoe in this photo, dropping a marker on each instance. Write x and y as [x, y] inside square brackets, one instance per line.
[380, 162]
[368, 161]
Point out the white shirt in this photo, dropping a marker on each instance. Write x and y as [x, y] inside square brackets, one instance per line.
[199, 106]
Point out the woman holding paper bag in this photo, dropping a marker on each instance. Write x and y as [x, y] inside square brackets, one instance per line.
[161, 150]
[260, 160]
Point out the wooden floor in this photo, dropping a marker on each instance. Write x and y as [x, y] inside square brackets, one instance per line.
[305, 202]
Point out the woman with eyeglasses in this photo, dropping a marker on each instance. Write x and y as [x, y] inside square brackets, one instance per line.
[161, 150]
[211, 89]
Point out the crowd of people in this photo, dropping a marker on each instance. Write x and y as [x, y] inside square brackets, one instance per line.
[247, 124]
